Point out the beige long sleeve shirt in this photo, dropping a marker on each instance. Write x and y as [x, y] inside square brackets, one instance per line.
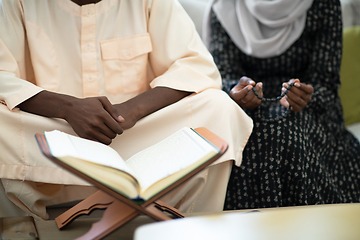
[115, 48]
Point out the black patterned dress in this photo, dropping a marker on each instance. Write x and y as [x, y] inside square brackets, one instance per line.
[307, 157]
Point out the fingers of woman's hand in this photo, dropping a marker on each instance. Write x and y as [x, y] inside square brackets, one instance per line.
[258, 88]
[299, 95]
[245, 97]
[251, 100]
[283, 101]
[245, 81]
[237, 93]
[296, 102]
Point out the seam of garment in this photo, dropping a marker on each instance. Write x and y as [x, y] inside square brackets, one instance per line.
[21, 133]
[191, 111]
[6, 184]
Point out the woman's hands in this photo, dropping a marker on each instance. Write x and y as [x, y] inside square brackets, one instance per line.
[297, 97]
[243, 95]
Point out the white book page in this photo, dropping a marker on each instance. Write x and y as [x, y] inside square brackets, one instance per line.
[168, 156]
[63, 145]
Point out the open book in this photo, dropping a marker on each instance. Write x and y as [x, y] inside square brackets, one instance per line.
[144, 174]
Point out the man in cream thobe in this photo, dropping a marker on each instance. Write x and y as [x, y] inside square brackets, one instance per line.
[118, 49]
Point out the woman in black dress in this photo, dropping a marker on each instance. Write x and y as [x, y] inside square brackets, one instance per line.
[307, 156]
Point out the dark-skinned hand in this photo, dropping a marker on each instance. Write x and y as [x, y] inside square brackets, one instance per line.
[298, 96]
[94, 118]
[243, 95]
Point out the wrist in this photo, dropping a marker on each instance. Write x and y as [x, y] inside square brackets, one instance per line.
[47, 104]
[65, 104]
[129, 111]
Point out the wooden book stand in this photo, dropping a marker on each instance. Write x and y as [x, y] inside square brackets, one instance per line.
[118, 208]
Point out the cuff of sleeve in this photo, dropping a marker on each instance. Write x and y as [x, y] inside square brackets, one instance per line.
[22, 96]
[192, 81]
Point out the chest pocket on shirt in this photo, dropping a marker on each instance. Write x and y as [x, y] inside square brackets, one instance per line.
[125, 63]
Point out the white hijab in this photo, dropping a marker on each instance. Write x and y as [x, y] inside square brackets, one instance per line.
[260, 28]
